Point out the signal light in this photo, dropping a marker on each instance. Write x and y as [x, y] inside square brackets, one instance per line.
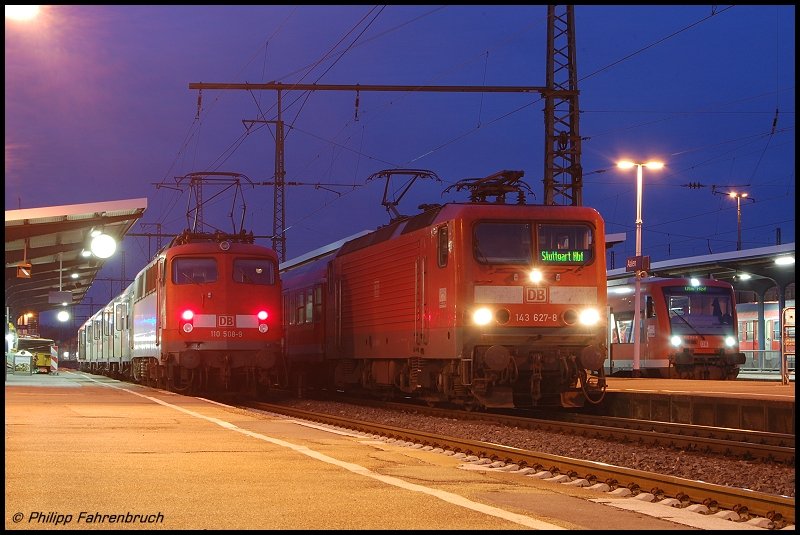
[262, 315]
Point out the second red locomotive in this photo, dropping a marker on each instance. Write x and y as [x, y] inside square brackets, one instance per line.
[203, 316]
[481, 304]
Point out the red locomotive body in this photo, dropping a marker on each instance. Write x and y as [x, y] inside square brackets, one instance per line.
[479, 304]
[203, 316]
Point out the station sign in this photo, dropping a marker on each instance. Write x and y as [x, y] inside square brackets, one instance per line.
[636, 264]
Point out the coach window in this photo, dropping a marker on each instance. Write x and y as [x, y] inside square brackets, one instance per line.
[187, 270]
[317, 302]
[139, 292]
[254, 271]
[443, 246]
[121, 315]
[300, 307]
[150, 280]
[749, 330]
[776, 330]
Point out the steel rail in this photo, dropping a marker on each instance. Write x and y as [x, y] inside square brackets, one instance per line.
[780, 510]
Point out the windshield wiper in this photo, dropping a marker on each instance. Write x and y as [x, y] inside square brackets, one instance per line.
[189, 277]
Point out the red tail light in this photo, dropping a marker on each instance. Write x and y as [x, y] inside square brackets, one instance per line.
[262, 321]
[186, 321]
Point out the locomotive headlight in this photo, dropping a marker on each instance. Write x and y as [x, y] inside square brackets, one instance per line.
[675, 341]
[589, 316]
[730, 341]
[482, 316]
[536, 275]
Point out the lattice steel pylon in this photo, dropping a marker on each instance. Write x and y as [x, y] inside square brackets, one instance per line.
[563, 174]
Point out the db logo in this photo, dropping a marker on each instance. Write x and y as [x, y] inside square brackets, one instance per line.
[224, 321]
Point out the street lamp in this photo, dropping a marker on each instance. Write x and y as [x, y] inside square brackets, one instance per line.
[637, 328]
[738, 196]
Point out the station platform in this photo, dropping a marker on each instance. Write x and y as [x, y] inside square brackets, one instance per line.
[90, 452]
[757, 405]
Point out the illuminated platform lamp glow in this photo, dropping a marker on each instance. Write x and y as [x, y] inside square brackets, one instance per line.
[22, 13]
[103, 246]
[62, 315]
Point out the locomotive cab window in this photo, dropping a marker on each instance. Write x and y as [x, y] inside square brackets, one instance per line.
[194, 270]
[254, 271]
[565, 244]
[502, 243]
[442, 246]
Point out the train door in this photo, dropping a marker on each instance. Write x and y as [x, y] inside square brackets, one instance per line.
[334, 308]
[768, 329]
[121, 329]
[97, 340]
[442, 297]
[650, 337]
[108, 338]
[82, 344]
[156, 276]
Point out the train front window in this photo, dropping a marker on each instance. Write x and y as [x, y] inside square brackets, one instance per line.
[254, 271]
[565, 244]
[502, 243]
[187, 270]
[699, 309]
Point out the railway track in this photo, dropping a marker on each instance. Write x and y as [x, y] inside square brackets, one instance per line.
[765, 510]
[744, 444]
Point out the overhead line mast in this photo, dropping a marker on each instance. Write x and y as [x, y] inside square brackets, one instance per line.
[562, 168]
[563, 173]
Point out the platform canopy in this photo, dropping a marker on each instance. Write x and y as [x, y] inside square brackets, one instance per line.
[44, 249]
[756, 269]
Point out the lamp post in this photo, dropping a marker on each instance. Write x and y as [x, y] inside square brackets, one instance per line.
[739, 197]
[637, 328]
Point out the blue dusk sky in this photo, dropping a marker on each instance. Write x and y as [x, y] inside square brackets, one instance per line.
[98, 108]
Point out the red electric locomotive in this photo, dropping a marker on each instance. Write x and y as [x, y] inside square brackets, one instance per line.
[203, 316]
[481, 304]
